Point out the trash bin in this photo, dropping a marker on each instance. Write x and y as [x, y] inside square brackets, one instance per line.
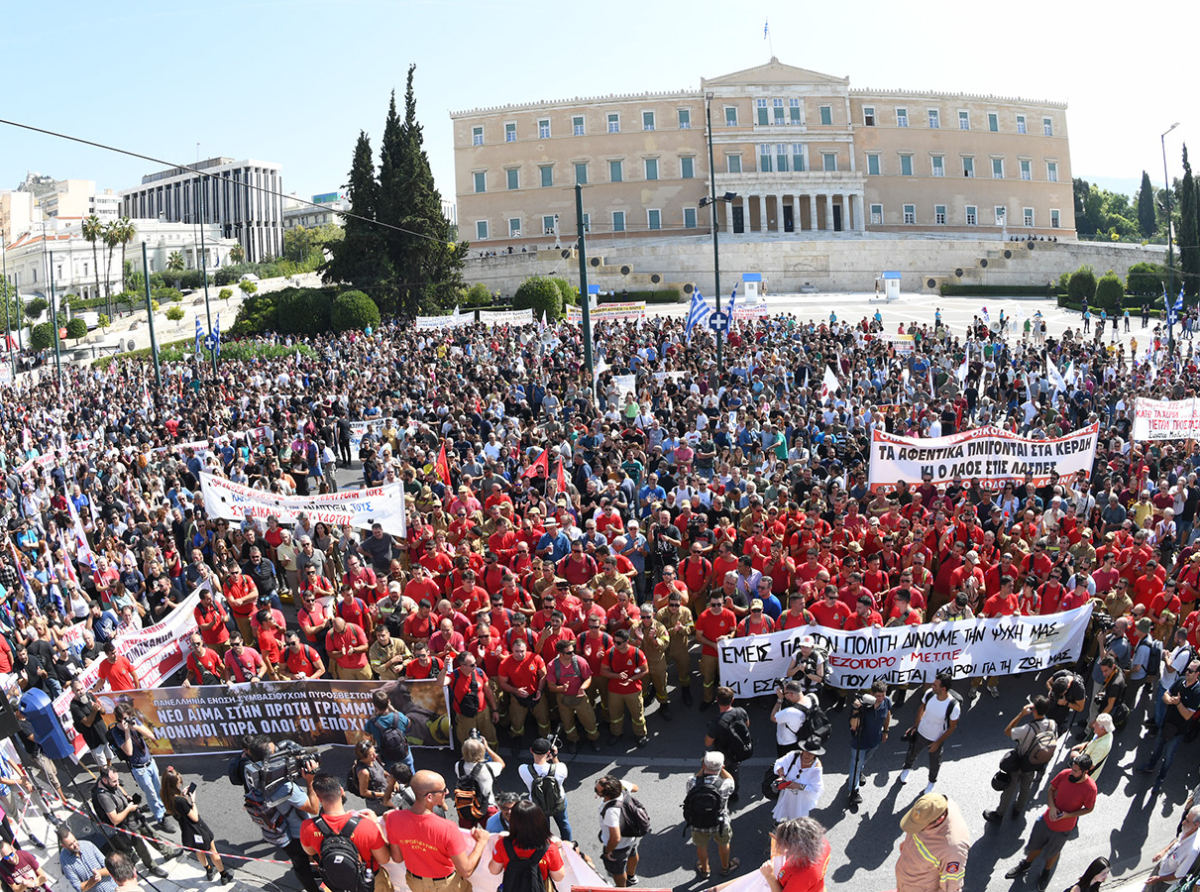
[47, 729]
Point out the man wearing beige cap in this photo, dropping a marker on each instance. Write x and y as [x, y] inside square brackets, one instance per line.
[933, 855]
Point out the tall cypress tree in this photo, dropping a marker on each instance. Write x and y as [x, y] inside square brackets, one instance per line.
[1189, 231]
[432, 263]
[358, 258]
[1147, 216]
[393, 205]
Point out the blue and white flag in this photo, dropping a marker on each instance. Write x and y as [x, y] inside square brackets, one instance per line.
[766, 28]
[217, 336]
[698, 313]
[199, 336]
[1179, 300]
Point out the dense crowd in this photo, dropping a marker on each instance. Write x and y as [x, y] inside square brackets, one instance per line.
[582, 539]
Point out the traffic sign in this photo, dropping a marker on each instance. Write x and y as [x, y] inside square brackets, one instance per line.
[210, 342]
[718, 321]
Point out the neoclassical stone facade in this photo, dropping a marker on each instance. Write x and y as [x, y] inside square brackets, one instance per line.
[801, 150]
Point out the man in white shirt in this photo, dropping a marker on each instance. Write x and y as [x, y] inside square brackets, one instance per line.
[1173, 663]
[789, 715]
[545, 762]
[936, 720]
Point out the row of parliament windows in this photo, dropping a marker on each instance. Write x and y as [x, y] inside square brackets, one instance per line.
[769, 112]
[618, 222]
[651, 170]
[937, 166]
[970, 216]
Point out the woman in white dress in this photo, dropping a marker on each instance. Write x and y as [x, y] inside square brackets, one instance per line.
[803, 773]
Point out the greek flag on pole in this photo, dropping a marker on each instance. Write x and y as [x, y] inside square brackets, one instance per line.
[199, 336]
[698, 313]
[217, 335]
[766, 28]
[1179, 300]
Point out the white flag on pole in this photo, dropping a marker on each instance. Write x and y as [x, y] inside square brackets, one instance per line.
[829, 385]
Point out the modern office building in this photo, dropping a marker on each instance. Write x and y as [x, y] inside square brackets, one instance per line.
[803, 152]
[244, 197]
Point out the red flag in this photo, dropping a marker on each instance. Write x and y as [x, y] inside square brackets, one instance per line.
[561, 480]
[443, 466]
[543, 462]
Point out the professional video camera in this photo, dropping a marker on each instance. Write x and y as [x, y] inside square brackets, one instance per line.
[283, 767]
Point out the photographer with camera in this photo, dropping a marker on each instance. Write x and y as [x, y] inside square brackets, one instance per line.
[116, 808]
[1034, 747]
[131, 740]
[664, 540]
[788, 714]
[546, 780]
[809, 666]
[870, 718]
[279, 795]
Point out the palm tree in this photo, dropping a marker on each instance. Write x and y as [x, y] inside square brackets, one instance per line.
[93, 230]
[112, 237]
[175, 264]
[237, 254]
[126, 232]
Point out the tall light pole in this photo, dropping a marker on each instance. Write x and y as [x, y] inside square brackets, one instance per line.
[7, 330]
[711, 200]
[54, 325]
[1170, 247]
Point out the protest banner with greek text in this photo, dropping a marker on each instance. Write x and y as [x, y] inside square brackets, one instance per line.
[992, 455]
[360, 508]
[312, 712]
[507, 317]
[628, 311]
[1165, 419]
[1005, 645]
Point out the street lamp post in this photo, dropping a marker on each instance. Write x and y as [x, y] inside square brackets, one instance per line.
[54, 325]
[7, 329]
[1170, 296]
[711, 200]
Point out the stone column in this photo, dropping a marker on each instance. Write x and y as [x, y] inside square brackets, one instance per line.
[779, 213]
[812, 212]
[829, 212]
[861, 216]
[849, 218]
[762, 213]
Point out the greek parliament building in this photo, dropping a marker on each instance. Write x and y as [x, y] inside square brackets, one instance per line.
[802, 151]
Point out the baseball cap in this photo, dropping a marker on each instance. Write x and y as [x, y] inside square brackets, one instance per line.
[540, 747]
[924, 812]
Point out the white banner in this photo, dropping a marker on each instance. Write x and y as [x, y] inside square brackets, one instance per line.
[358, 507]
[630, 310]
[359, 429]
[1004, 645]
[506, 317]
[435, 323]
[156, 652]
[1165, 419]
[746, 311]
[989, 453]
[625, 384]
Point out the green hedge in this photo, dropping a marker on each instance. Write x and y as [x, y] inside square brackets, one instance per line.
[176, 351]
[658, 296]
[949, 289]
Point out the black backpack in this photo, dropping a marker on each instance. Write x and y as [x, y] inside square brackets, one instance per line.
[468, 796]
[737, 742]
[1154, 659]
[702, 804]
[547, 793]
[817, 725]
[237, 769]
[338, 860]
[393, 745]
[522, 874]
[635, 820]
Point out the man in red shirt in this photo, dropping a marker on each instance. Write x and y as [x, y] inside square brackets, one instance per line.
[243, 664]
[523, 677]
[1004, 603]
[1072, 795]
[1148, 586]
[796, 615]
[757, 623]
[831, 611]
[433, 850]
[446, 642]
[695, 572]
[204, 665]
[360, 580]
[552, 633]
[624, 666]
[577, 568]
[470, 693]
[117, 671]
[300, 660]
[347, 647]
[712, 625]
[334, 818]
[419, 626]
[210, 618]
[865, 615]
[241, 595]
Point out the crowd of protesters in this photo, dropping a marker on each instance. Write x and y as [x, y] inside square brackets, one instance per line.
[586, 546]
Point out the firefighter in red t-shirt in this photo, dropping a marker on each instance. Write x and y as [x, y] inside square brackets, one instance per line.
[470, 695]
[712, 625]
[624, 666]
[523, 677]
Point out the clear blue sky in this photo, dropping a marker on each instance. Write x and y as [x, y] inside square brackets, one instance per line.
[294, 81]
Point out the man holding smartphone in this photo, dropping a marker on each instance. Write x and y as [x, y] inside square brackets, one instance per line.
[130, 737]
